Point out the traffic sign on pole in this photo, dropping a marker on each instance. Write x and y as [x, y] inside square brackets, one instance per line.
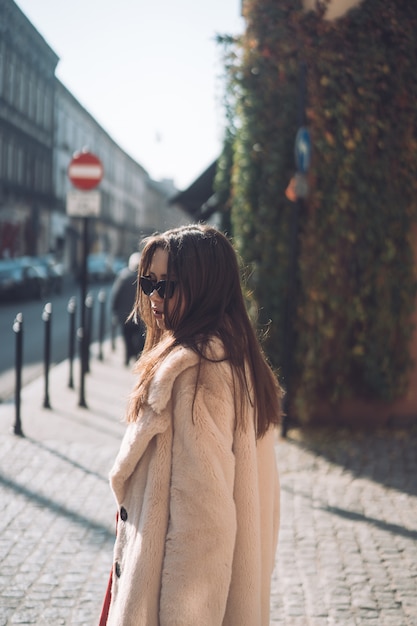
[85, 170]
[83, 203]
[302, 150]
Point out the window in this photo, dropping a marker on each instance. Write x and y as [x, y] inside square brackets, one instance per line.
[40, 98]
[20, 165]
[47, 103]
[8, 71]
[32, 97]
[2, 159]
[22, 91]
[38, 174]
[10, 162]
[16, 85]
[1, 68]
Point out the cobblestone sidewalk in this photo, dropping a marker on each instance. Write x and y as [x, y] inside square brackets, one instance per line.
[56, 510]
[348, 547]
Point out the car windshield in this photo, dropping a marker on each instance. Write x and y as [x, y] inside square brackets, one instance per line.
[10, 271]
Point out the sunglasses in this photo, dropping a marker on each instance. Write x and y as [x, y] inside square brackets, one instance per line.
[164, 288]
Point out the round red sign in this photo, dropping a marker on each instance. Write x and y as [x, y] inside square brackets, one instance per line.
[85, 170]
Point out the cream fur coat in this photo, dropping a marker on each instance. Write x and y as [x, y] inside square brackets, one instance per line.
[198, 506]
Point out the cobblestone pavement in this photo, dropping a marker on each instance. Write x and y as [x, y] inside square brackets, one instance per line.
[56, 510]
[347, 553]
[348, 547]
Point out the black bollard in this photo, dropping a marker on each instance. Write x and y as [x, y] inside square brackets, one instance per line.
[18, 329]
[47, 318]
[82, 335]
[102, 322]
[89, 301]
[72, 311]
[81, 343]
[113, 332]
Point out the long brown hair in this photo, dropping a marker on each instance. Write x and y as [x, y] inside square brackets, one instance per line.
[209, 303]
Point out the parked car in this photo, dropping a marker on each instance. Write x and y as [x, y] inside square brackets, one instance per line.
[35, 278]
[54, 272]
[10, 280]
[20, 279]
[100, 267]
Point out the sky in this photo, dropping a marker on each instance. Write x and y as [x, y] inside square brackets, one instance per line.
[149, 72]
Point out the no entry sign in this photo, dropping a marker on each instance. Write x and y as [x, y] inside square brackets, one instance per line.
[85, 170]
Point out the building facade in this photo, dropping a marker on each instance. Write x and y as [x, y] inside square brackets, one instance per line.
[27, 84]
[123, 189]
[132, 204]
[42, 125]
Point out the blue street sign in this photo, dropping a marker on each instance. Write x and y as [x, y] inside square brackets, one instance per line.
[302, 150]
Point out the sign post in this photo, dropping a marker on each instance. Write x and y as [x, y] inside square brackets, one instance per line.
[302, 150]
[85, 172]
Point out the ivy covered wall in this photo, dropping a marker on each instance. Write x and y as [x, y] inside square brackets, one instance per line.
[355, 278]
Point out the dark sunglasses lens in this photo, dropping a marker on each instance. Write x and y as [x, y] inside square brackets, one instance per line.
[147, 285]
[160, 288]
[165, 287]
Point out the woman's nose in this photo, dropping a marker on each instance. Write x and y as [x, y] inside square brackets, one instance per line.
[155, 297]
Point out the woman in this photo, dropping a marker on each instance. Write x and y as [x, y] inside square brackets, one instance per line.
[195, 479]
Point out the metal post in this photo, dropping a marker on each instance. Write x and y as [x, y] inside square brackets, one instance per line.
[82, 336]
[47, 318]
[72, 309]
[18, 329]
[113, 332]
[89, 302]
[102, 323]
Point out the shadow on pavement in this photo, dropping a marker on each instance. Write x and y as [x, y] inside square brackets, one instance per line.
[66, 459]
[59, 509]
[387, 456]
[394, 529]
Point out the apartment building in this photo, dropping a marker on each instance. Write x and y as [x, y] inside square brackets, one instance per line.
[27, 85]
[42, 125]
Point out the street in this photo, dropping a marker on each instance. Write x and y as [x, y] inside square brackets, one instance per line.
[34, 332]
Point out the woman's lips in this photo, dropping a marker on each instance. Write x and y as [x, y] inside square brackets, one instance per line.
[157, 313]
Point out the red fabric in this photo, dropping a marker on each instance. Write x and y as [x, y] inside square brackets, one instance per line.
[107, 598]
[106, 603]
